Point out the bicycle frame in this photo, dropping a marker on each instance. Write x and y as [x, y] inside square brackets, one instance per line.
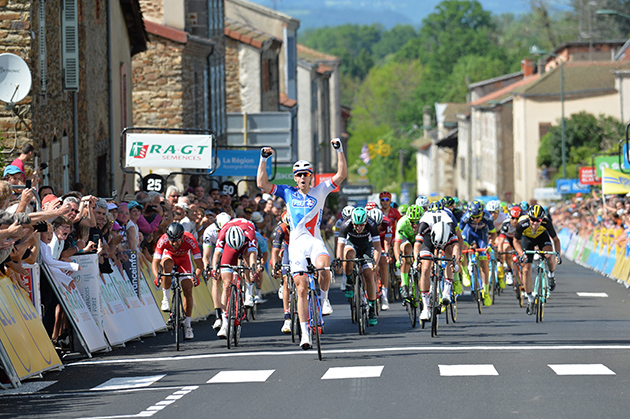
[177, 305]
[540, 291]
[476, 284]
[236, 312]
[359, 305]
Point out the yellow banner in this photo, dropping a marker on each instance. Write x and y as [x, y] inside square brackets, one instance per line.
[614, 182]
[22, 333]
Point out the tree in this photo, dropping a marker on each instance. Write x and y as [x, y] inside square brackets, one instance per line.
[585, 135]
[470, 69]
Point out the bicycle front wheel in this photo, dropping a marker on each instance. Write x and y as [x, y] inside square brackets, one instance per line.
[231, 315]
[358, 301]
[238, 320]
[316, 326]
[177, 318]
[478, 288]
[295, 321]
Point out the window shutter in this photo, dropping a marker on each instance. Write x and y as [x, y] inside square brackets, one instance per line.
[42, 44]
[70, 45]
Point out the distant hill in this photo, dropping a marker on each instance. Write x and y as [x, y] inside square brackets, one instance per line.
[319, 13]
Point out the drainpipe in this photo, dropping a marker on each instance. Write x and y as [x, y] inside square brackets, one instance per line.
[75, 134]
[112, 147]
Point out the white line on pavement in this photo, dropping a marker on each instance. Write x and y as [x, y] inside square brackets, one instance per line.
[251, 376]
[336, 373]
[581, 369]
[121, 383]
[592, 294]
[365, 350]
[467, 370]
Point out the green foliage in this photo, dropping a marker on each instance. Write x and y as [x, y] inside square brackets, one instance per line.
[470, 69]
[585, 135]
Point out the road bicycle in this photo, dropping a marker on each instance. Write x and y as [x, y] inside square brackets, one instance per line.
[435, 290]
[476, 285]
[493, 272]
[359, 301]
[394, 280]
[236, 311]
[414, 302]
[540, 290]
[517, 275]
[177, 316]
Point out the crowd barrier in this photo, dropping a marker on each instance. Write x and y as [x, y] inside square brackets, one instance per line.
[104, 310]
[600, 251]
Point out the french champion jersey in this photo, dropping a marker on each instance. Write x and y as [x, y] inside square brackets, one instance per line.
[306, 210]
[429, 219]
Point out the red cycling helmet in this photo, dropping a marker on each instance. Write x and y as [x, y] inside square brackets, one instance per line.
[370, 205]
[385, 194]
[515, 211]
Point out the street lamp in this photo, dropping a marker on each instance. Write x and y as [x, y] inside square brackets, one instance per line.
[611, 12]
[534, 50]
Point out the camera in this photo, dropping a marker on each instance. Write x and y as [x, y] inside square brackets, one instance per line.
[41, 227]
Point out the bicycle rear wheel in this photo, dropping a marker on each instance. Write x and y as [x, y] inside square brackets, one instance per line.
[231, 316]
[358, 301]
[453, 309]
[492, 288]
[177, 318]
[435, 307]
[394, 286]
[315, 322]
[238, 320]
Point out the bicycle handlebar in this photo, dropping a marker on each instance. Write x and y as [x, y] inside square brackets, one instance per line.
[539, 252]
[474, 250]
[176, 274]
[437, 259]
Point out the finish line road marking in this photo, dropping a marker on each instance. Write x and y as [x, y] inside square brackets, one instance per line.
[592, 294]
[361, 351]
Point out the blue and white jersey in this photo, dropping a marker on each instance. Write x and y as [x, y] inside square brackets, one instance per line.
[306, 210]
[483, 223]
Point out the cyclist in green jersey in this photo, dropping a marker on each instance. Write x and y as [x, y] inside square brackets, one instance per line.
[406, 240]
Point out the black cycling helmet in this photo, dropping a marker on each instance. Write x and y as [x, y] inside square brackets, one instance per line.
[174, 231]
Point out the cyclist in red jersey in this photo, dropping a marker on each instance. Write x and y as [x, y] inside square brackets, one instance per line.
[386, 232]
[236, 238]
[388, 211]
[174, 249]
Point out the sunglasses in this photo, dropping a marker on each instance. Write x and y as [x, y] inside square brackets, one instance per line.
[303, 174]
[384, 199]
[515, 218]
[174, 196]
[414, 222]
[535, 220]
[476, 217]
[359, 225]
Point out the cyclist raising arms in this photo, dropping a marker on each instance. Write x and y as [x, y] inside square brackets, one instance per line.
[173, 249]
[535, 229]
[405, 244]
[305, 206]
[240, 237]
[359, 237]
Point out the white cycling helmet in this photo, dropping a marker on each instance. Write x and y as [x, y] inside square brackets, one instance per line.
[302, 166]
[235, 237]
[493, 206]
[376, 215]
[347, 211]
[222, 219]
[423, 201]
[440, 232]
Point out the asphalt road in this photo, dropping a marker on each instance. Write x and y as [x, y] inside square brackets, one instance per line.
[494, 365]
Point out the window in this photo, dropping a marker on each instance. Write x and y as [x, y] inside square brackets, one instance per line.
[70, 45]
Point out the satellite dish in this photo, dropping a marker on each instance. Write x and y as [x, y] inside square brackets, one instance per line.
[15, 78]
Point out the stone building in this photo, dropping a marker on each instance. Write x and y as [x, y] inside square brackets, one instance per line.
[79, 54]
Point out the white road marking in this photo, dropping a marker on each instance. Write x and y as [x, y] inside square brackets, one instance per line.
[467, 370]
[337, 373]
[581, 369]
[121, 383]
[28, 387]
[592, 294]
[152, 410]
[510, 348]
[246, 376]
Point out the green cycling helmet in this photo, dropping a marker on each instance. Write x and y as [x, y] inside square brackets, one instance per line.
[403, 209]
[415, 212]
[359, 216]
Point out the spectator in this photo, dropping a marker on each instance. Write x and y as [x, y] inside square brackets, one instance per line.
[214, 194]
[14, 175]
[199, 192]
[26, 154]
[172, 194]
[45, 190]
[133, 233]
[182, 210]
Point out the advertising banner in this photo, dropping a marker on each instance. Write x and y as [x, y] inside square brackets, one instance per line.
[32, 285]
[131, 268]
[134, 306]
[88, 281]
[152, 311]
[614, 182]
[116, 323]
[587, 176]
[323, 177]
[605, 162]
[169, 150]
[239, 163]
[22, 334]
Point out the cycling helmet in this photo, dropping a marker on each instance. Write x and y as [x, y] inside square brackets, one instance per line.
[376, 215]
[448, 201]
[536, 211]
[403, 209]
[302, 166]
[476, 209]
[524, 206]
[174, 231]
[235, 237]
[222, 219]
[370, 205]
[493, 206]
[440, 232]
[385, 194]
[359, 216]
[423, 201]
[435, 206]
[515, 211]
[347, 211]
[415, 212]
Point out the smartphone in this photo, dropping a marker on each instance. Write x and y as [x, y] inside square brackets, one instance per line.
[28, 184]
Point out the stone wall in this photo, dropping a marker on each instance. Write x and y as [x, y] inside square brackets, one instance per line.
[232, 75]
[153, 10]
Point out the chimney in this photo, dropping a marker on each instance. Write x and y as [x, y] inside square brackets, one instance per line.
[541, 66]
[426, 120]
[527, 66]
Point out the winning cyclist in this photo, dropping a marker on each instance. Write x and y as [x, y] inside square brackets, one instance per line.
[405, 244]
[173, 249]
[532, 230]
[306, 204]
[240, 237]
[475, 225]
[210, 236]
[359, 237]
